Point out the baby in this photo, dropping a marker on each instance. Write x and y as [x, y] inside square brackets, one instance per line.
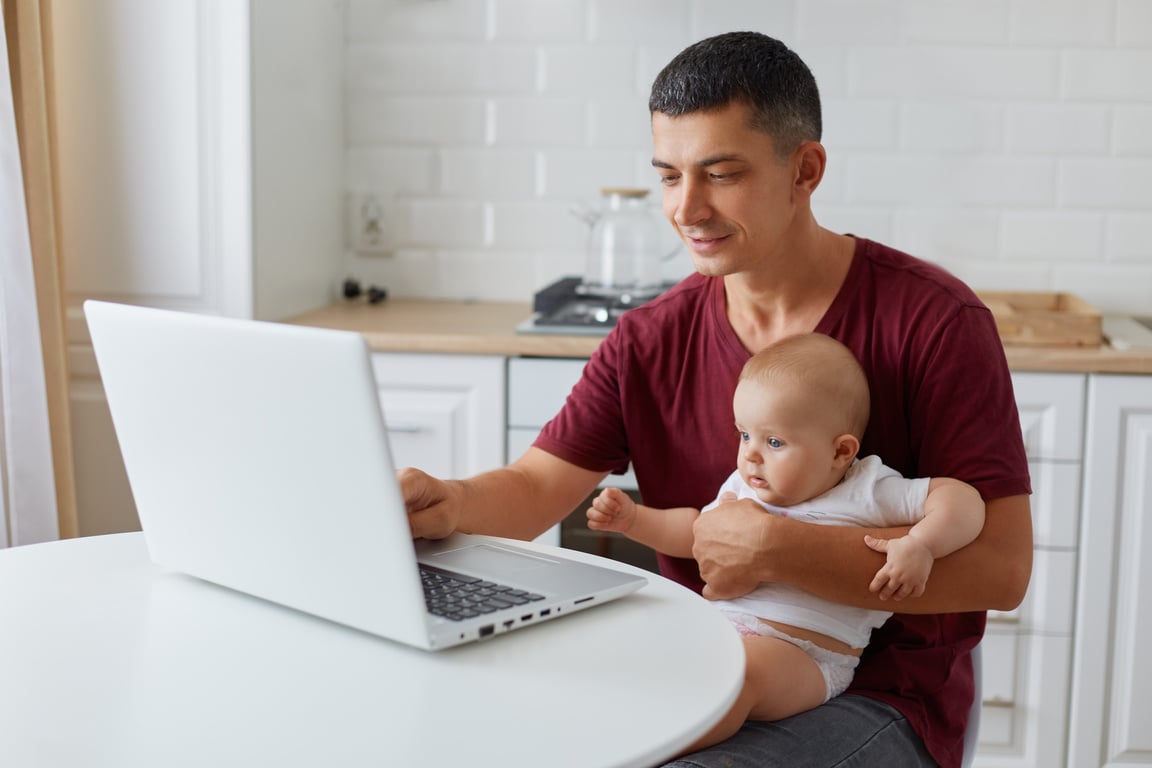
[801, 406]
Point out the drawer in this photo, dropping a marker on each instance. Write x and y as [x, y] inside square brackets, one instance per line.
[537, 388]
[426, 430]
[444, 413]
[1024, 675]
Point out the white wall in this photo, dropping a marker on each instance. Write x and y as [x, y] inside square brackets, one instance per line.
[1010, 140]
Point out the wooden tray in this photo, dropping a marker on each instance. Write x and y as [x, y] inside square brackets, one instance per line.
[1043, 319]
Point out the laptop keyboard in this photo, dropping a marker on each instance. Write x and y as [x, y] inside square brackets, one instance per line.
[457, 597]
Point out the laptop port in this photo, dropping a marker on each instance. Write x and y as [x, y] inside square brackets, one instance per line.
[487, 629]
[545, 612]
[526, 617]
[508, 624]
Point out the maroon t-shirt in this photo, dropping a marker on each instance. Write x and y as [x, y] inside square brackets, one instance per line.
[658, 393]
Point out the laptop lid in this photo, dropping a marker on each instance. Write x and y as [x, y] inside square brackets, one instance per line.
[258, 458]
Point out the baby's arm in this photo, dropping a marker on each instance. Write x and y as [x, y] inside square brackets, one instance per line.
[953, 517]
[665, 530]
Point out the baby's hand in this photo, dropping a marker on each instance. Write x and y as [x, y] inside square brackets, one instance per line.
[612, 510]
[907, 569]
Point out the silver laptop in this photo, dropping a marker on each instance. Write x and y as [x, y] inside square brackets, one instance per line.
[258, 458]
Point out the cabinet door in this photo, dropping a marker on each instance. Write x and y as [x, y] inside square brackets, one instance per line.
[1027, 651]
[445, 413]
[1112, 670]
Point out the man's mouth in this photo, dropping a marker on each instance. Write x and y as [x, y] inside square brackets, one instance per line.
[703, 242]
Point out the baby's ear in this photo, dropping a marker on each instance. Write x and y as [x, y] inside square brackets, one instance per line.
[847, 446]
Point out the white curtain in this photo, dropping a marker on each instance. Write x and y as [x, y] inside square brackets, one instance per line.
[27, 489]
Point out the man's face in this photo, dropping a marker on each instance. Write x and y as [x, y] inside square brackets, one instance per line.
[726, 192]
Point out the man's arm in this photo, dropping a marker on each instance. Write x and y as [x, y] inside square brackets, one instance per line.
[519, 501]
[738, 546]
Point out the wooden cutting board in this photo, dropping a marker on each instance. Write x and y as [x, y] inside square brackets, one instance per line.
[1044, 319]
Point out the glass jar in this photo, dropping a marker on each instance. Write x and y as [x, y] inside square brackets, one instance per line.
[623, 252]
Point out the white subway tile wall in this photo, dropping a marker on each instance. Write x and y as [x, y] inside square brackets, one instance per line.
[1008, 140]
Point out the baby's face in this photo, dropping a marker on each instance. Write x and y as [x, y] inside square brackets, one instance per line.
[787, 450]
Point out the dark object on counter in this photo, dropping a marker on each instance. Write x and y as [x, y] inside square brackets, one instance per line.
[552, 297]
[566, 306]
[352, 290]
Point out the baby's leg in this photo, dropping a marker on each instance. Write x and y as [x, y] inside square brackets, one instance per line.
[780, 680]
[783, 679]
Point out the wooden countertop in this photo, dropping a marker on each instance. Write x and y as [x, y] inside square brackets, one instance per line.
[449, 327]
[489, 328]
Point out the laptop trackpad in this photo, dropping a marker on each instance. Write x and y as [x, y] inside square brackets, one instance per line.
[488, 559]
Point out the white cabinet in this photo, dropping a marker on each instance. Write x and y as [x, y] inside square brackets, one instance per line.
[1111, 710]
[1027, 652]
[200, 152]
[445, 413]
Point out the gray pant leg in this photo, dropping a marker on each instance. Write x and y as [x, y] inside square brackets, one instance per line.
[846, 732]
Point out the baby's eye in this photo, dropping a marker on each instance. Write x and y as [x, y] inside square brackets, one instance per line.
[743, 436]
[775, 442]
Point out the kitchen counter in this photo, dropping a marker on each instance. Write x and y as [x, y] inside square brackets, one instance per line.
[489, 328]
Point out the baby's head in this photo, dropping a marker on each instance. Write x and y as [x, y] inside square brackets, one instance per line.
[801, 407]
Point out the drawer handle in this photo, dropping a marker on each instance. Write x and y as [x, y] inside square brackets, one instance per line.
[1003, 618]
[998, 703]
[404, 429]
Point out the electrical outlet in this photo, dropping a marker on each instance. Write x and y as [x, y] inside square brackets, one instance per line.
[372, 225]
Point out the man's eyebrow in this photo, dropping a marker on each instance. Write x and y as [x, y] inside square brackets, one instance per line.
[706, 162]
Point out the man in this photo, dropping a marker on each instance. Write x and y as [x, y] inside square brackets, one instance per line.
[736, 127]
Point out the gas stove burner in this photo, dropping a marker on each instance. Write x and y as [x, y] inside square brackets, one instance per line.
[622, 297]
[583, 313]
[569, 307]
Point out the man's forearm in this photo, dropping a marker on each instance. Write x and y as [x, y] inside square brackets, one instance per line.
[523, 499]
[833, 562]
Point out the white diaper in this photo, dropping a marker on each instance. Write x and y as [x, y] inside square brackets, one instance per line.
[837, 668]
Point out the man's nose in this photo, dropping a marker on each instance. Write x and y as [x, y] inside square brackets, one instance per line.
[691, 204]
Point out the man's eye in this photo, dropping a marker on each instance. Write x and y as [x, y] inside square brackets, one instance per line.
[668, 180]
[775, 442]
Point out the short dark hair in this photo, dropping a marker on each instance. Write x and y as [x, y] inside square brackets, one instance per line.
[750, 67]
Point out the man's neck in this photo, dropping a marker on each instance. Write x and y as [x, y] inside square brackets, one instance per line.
[791, 294]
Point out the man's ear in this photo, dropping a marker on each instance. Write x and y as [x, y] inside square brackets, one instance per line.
[811, 160]
[847, 446]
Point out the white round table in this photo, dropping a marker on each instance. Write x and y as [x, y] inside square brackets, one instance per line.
[108, 660]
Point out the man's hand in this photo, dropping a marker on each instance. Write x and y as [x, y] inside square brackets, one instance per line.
[433, 508]
[728, 546]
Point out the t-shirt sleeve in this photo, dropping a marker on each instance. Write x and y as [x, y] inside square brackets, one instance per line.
[900, 501]
[965, 416]
[589, 429]
[879, 496]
